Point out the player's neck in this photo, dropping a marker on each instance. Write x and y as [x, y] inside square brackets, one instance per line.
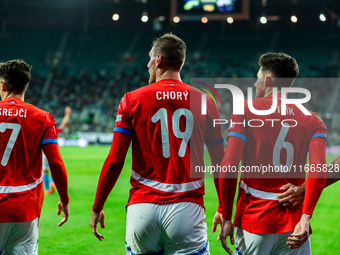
[21, 96]
[168, 74]
[269, 92]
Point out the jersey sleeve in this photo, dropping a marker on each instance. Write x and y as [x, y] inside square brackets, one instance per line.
[58, 170]
[316, 180]
[111, 169]
[50, 135]
[214, 134]
[320, 130]
[238, 127]
[228, 181]
[123, 123]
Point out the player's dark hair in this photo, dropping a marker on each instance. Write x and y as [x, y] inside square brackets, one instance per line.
[16, 73]
[280, 65]
[172, 48]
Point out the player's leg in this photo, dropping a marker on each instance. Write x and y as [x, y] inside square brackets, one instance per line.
[253, 244]
[46, 178]
[23, 238]
[184, 229]
[282, 248]
[143, 229]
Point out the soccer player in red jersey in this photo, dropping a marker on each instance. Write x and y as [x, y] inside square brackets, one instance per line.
[263, 225]
[25, 131]
[50, 186]
[165, 213]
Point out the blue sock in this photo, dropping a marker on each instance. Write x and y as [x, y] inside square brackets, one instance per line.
[46, 182]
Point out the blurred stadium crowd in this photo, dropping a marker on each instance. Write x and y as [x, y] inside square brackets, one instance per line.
[90, 73]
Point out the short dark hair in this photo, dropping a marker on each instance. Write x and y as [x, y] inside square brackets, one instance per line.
[280, 65]
[16, 73]
[172, 48]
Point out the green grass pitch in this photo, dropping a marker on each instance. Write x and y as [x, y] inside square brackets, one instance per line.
[75, 237]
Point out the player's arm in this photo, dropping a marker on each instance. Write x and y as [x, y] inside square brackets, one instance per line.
[215, 144]
[314, 186]
[59, 176]
[216, 153]
[227, 187]
[66, 118]
[293, 195]
[108, 177]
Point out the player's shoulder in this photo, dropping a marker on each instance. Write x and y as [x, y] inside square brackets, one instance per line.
[39, 113]
[138, 91]
[134, 95]
[194, 90]
[36, 109]
[316, 118]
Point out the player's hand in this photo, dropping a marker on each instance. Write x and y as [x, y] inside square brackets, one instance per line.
[218, 220]
[63, 208]
[97, 217]
[292, 195]
[301, 233]
[227, 230]
[68, 110]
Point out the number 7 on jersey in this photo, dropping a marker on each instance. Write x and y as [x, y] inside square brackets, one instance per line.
[9, 147]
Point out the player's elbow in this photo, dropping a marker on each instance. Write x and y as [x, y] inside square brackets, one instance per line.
[114, 165]
[55, 163]
[231, 161]
[117, 165]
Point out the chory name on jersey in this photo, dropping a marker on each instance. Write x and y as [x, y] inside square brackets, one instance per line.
[13, 112]
[168, 95]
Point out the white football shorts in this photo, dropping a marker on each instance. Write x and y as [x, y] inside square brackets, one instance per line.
[174, 228]
[19, 238]
[267, 244]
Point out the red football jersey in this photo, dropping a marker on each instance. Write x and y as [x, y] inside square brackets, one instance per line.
[272, 143]
[23, 129]
[168, 135]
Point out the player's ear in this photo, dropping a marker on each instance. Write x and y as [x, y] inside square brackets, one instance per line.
[160, 61]
[269, 81]
[26, 87]
[3, 86]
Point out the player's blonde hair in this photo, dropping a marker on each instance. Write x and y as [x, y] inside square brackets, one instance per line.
[172, 48]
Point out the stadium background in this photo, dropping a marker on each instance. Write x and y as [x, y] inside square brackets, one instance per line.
[81, 57]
